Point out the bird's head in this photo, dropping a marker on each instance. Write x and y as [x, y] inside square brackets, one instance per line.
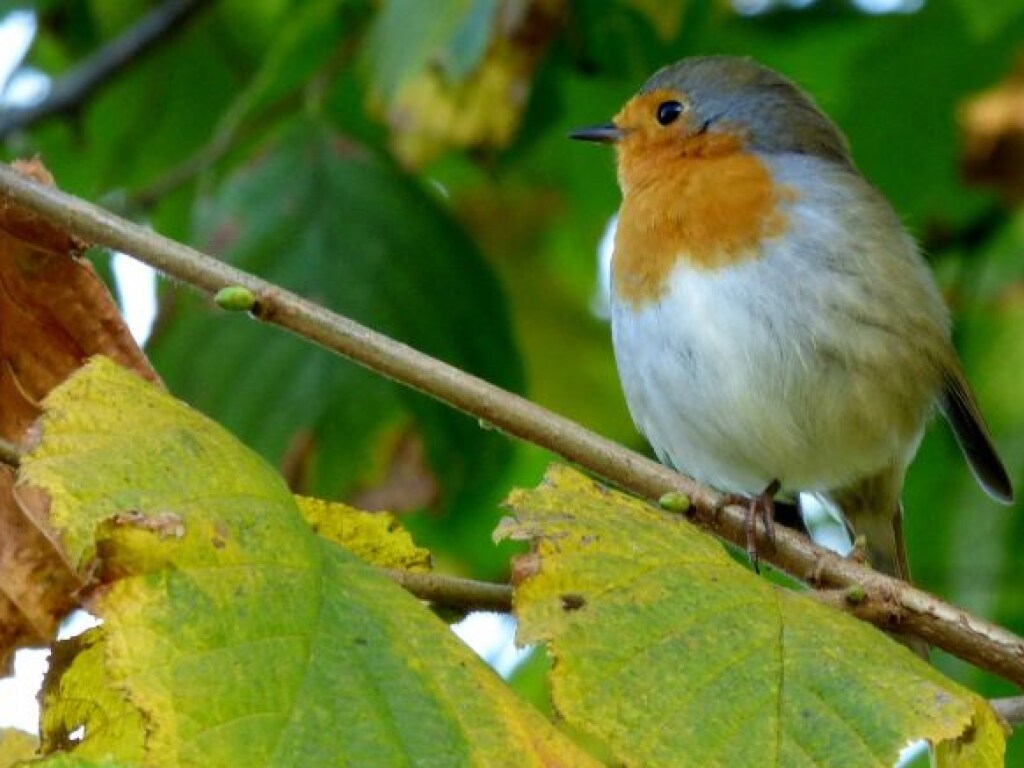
[713, 106]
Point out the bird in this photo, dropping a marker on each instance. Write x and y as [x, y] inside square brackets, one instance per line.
[777, 332]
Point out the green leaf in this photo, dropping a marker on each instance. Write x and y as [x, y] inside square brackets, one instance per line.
[986, 19]
[469, 43]
[143, 121]
[664, 646]
[238, 635]
[924, 184]
[407, 35]
[328, 220]
[255, 25]
[665, 15]
[302, 45]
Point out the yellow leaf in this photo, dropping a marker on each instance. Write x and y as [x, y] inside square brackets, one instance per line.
[233, 635]
[429, 114]
[375, 537]
[15, 746]
[984, 746]
[83, 699]
[432, 111]
[665, 647]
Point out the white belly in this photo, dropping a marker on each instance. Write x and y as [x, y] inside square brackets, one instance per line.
[741, 376]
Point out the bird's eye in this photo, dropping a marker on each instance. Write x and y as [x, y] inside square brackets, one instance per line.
[669, 112]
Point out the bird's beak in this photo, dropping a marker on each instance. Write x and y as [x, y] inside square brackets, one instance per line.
[609, 133]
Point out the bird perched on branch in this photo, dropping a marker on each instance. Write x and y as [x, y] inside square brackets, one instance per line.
[775, 328]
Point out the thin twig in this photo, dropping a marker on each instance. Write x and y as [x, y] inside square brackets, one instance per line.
[915, 612]
[74, 89]
[455, 592]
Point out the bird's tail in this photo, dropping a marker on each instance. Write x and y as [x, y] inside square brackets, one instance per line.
[961, 410]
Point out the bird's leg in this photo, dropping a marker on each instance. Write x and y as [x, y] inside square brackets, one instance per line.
[762, 505]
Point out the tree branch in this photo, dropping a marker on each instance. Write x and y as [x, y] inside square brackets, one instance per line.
[454, 592]
[1010, 709]
[909, 610]
[74, 88]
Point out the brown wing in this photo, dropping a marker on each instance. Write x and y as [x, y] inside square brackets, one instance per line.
[961, 411]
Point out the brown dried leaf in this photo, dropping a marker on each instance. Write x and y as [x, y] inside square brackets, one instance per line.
[407, 482]
[36, 586]
[992, 130]
[55, 313]
[297, 459]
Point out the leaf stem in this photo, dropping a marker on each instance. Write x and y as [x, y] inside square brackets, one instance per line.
[455, 592]
[1010, 709]
[74, 88]
[913, 611]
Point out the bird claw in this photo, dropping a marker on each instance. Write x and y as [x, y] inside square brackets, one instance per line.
[859, 553]
[760, 506]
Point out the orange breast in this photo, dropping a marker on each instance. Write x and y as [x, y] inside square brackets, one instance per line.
[705, 201]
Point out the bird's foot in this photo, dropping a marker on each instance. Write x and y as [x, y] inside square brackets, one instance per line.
[760, 506]
[859, 553]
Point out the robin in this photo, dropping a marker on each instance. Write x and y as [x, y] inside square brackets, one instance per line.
[776, 329]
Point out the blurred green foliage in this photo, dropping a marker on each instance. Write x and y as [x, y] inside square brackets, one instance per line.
[406, 163]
